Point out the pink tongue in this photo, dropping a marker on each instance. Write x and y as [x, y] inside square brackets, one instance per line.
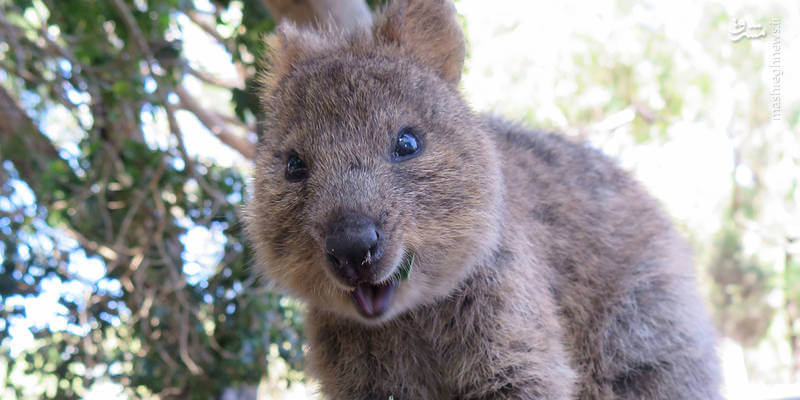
[372, 301]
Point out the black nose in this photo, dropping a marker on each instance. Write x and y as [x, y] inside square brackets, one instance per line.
[353, 245]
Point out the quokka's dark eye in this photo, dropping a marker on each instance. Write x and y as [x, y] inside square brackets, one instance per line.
[407, 145]
[296, 169]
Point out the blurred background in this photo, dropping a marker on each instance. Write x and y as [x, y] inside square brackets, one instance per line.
[127, 131]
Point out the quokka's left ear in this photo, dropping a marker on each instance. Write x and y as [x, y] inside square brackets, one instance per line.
[428, 31]
[288, 46]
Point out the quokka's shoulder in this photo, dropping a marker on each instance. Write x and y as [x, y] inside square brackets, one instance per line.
[571, 160]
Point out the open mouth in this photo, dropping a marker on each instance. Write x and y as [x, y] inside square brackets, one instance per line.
[372, 300]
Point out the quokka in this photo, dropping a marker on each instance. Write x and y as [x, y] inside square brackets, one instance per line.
[446, 254]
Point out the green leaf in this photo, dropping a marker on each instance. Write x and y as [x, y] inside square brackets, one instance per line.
[405, 267]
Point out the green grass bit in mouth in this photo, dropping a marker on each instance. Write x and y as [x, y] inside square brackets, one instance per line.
[405, 267]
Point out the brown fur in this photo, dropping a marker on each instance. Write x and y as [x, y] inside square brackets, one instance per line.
[542, 270]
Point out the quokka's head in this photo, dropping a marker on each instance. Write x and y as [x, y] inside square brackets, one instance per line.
[376, 189]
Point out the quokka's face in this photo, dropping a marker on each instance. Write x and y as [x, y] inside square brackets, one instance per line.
[366, 163]
[376, 189]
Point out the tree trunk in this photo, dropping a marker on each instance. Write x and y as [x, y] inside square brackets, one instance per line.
[344, 14]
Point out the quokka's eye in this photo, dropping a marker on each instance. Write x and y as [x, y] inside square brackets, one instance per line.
[296, 169]
[407, 145]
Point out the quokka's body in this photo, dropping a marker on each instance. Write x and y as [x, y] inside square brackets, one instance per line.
[538, 269]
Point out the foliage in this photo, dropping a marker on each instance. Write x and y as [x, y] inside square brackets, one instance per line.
[85, 186]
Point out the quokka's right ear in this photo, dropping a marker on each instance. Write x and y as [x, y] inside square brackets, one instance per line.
[287, 46]
[428, 31]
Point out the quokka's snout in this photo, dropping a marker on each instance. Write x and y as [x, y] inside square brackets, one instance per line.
[361, 259]
[354, 245]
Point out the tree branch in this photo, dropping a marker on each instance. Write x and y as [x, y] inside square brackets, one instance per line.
[23, 143]
[213, 80]
[234, 121]
[12, 40]
[196, 17]
[215, 125]
[134, 31]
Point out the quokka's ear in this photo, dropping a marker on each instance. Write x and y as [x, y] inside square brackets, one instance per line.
[286, 47]
[428, 31]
